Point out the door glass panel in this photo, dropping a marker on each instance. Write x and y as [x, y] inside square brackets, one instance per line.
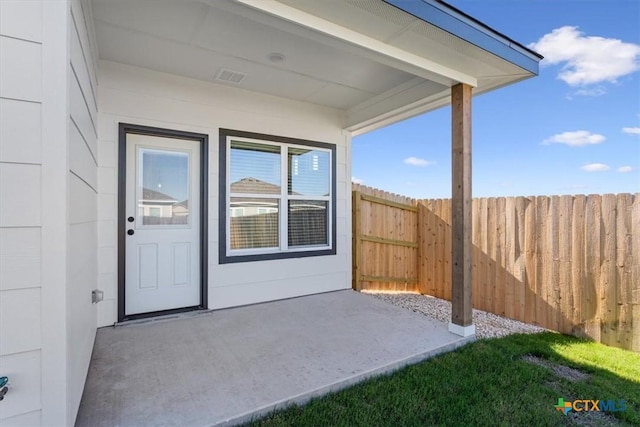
[163, 187]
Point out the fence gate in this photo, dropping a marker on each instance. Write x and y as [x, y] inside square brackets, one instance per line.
[385, 242]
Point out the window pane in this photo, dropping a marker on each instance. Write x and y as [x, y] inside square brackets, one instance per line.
[255, 168]
[254, 223]
[163, 187]
[308, 172]
[308, 223]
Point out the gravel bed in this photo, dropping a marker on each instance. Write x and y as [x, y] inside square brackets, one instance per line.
[488, 325]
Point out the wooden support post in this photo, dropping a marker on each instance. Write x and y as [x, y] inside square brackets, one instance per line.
[461, 238]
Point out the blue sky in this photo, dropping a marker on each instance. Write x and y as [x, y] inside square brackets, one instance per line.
[574, 129]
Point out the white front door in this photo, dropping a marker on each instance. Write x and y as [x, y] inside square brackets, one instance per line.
[162, 208]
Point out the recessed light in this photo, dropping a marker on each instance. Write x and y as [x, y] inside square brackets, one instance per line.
[277, 58]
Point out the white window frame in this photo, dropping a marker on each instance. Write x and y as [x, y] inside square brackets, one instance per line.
[283, 198]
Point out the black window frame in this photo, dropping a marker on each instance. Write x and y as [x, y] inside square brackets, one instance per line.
[223, 209]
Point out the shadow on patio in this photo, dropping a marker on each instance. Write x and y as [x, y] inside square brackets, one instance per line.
[228, 366]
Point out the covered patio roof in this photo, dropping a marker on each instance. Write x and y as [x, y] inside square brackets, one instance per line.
[375, 61]
[378, 61]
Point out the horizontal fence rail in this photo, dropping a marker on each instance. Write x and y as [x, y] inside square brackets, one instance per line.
[566, 263]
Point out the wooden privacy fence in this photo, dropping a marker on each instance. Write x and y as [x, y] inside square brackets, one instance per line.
[385, 241]
[567, 263]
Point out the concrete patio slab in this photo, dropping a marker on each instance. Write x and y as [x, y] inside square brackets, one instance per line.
[229, 366]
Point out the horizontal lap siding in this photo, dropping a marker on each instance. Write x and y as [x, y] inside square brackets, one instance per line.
[134, 95]
[82, 253]
[20, 209]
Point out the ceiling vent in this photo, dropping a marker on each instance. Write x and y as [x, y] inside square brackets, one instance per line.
[229, 76]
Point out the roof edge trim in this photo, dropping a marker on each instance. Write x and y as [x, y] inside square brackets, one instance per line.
[465, 27]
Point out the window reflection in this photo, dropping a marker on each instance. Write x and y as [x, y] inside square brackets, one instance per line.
[164, 180]
[254, 223]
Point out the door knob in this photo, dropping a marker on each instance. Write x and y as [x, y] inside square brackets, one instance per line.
[130, 232]
[130, 219]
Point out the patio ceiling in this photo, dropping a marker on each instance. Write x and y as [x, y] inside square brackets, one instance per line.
[374, 61]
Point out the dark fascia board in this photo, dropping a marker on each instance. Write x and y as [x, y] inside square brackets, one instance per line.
[467, 28]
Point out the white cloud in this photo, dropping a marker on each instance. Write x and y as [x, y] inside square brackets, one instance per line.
[596, 91]
[625, 169]
[416, 161]
[595, 167]
[587, 59]
[631, 131]
[576, 138]
[357, 180]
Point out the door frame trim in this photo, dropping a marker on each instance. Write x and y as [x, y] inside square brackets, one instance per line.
[203, 139]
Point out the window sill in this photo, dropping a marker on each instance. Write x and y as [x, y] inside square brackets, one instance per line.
[230, 259]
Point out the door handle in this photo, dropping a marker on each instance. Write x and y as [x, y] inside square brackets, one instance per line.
[130, 232]
[130, 219]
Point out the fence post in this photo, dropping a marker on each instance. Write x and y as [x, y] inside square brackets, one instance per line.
[356, 241]
[422, 286]
[635, 272]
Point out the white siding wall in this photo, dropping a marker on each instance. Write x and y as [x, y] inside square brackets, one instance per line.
[20, 209]
[82, 248]
[48, 198]
[133, 95]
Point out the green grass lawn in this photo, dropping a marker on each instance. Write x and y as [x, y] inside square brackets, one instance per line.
[486, 383]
